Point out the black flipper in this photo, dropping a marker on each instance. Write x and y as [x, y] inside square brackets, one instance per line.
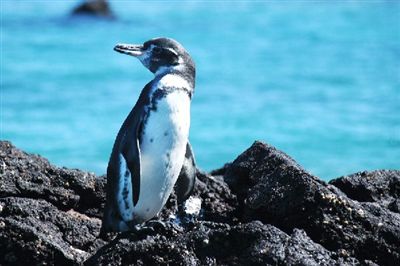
[187, 177]
[131, 141]
[131, 153]
[126, 144]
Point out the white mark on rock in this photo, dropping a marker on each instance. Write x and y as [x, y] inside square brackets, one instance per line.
[192, 205]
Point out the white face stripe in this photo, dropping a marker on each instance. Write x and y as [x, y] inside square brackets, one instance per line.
[172, 51]
[180, 61]
[145, 59]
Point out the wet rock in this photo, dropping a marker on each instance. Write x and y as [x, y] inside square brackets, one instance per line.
[99, 8]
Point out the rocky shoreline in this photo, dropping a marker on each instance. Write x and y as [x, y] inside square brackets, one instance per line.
[261, 209]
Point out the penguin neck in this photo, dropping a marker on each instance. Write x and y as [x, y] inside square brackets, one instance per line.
[187, 72]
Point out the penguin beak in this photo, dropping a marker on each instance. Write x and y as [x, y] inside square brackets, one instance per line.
[130, 49]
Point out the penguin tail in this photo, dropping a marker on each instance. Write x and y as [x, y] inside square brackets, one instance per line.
[106, 227]
[103, 233]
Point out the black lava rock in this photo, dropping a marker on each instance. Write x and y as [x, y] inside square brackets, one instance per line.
[97, 8]
[210, 243]
[47, 214]
[261, 209]
[381, 187]
[273, 188]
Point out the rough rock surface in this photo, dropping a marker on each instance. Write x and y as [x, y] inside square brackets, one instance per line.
[46, 213]
[261, 209]
[273, 188]
[381, 187]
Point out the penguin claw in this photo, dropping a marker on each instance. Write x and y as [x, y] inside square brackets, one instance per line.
[149, 227]
[146, 230]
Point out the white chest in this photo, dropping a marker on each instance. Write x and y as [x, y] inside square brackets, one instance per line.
[163, 148]
[168, 121]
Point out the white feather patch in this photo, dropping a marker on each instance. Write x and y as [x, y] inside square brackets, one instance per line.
[163, 150]
[125, 200]
[173, 81]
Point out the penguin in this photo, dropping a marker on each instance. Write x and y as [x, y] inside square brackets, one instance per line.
[151, 150]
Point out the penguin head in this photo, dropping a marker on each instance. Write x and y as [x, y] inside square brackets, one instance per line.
[159, 55]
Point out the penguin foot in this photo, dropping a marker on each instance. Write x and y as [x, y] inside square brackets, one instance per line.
[150, 227]
[156, 224]
[164, 227]
[141, 230]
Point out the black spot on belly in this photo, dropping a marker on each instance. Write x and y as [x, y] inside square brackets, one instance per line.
[125, 193]
[148, 209]
[126, 173]
[151, 140]
[166, 133]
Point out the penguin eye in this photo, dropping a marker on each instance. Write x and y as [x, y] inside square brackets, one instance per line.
[157, 50]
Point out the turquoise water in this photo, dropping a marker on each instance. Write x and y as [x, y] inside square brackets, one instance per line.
[319, 81]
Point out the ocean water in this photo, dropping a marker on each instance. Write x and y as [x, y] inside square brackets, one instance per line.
[320, 81]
